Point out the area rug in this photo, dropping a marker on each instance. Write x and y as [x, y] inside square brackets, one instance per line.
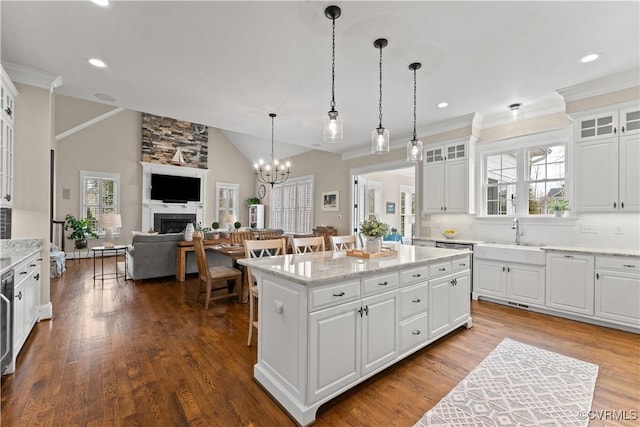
[519, 385]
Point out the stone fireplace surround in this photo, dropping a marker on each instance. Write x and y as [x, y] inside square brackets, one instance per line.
[151, 208]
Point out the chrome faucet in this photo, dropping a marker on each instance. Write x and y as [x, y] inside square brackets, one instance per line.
[516, 226]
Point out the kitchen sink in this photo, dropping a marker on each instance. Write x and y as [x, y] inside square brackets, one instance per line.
[510, 252]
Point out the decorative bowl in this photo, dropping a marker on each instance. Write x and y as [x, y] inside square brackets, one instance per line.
[449, 235]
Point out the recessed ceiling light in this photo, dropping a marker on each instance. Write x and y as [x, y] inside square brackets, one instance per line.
[104, 97]
[97, 62]
[443, 104]
[589, 58]
[103, 3]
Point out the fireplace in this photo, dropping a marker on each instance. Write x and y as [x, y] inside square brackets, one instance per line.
[172, 222]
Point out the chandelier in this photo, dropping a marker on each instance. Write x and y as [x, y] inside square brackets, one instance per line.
[275, 172]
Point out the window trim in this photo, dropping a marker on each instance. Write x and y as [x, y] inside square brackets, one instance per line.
[116, 205]
[236, 200]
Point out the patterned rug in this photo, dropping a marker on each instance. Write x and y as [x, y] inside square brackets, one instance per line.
[519, 385]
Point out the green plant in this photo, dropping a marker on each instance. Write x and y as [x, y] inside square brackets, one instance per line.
[81, 228]
[215, 225]
[237, 225]
[374, 228]
[559, 205]
[198, 227]
[253, 201]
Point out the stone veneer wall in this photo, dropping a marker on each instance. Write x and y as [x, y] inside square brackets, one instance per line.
[162, 136]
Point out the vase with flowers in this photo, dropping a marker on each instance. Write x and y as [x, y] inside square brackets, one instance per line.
[373, 230]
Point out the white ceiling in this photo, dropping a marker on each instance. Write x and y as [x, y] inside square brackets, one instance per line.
[229, 64]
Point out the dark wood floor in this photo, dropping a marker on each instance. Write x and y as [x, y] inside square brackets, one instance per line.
[146, 354]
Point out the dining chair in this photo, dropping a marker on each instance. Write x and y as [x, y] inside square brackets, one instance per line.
[266, 235]
[215, 275]
[259, 249]
[238, 237]
[307, 245]
[342, 243]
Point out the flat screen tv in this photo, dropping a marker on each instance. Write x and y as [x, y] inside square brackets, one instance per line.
[175, 189]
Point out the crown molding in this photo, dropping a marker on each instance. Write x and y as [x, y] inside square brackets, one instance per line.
[601, 86]
[32, 76]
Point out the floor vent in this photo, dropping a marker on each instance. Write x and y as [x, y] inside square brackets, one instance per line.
[517, 304]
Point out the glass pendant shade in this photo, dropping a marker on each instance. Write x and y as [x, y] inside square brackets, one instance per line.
[414, 151]
[380, 141]
[332, 128]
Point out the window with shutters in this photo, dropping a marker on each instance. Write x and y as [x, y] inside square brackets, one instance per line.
[100, 195]
[292, 205]
[227, 202]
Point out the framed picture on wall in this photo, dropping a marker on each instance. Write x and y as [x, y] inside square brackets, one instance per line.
[330, 201]
[391, 207]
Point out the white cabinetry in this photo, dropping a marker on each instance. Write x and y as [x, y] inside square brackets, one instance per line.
[448, 302]
[609, 143]
[617, 290]
[256, 216]
[570, 284]
[8, 93]
[448, 178]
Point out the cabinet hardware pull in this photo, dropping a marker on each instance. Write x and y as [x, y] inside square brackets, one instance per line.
[416, 332]
[440, 207]
[628, 265]
[385, 283]
[462, 264]
[19, 296]
[445, 208]
[39, 259]
[622, 205]
[8, 111]
[503, 268]
[23, 272]
[417, 275]
[508, 269]
[37, 276]
[416, 300]
[597, 275]
[622, 129]
[360, 311]
[366, 310]
[341, 294]
[568, 256]
[32, 265]
[455, 282]
[615, 204]
[615, 130]
[8, 197]
[442, 269]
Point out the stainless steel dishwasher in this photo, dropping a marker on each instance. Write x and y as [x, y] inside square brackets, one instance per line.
[460, 246]
[6, 312]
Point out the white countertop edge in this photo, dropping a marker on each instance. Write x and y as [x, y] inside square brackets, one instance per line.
[593, 251]
[17, 259]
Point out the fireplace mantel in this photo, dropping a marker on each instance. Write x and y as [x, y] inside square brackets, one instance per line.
[152, 207]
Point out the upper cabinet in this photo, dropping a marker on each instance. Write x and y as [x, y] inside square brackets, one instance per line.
[8, 93]
[448, 177]
[608, 143]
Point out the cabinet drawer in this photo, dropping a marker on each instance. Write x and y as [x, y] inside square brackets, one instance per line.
[414, 332]
[460, 264]
[22, 271]
[381, 283]
[414, 275]
[439, 269]
[629, 264]
[414, 299]
[327, 296]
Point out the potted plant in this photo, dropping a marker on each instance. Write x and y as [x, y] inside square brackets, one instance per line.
[374, 230]
[81, 230]
[558, 206]
[198, 229]
[253, 201]
[237, 225]
[214, 226]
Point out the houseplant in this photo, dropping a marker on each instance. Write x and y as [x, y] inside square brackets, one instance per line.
[215, 225]
[374, 230]
[198, 229]
[253, 201]
[81, 230]
[558, 206]
[237, 225]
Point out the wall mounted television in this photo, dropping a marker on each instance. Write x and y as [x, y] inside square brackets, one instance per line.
[175, 189]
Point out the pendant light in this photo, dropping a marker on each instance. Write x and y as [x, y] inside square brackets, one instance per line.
[380, 135]
[414, 147]
[332, 126]
[275, 172]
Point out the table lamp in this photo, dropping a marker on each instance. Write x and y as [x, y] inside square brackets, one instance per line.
[229, 219]
[109, 222]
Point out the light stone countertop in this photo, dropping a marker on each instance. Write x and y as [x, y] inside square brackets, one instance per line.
[444, 239]
[325, 267]
[14, 251]
[593, 251]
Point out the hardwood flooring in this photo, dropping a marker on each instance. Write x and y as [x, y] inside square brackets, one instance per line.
[147, 354]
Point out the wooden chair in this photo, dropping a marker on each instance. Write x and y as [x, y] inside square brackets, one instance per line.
[210, 275]
[266, 235]
[259, 249]
[238, 237]
[307, 245]
[342, 243]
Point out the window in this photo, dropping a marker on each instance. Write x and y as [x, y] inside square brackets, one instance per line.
[292, 205]
[100, 195]
[525, 180]
[227, 202]
[407, 210]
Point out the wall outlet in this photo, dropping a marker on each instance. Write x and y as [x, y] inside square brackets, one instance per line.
[589, 228]
[617, 229]
[339, 216]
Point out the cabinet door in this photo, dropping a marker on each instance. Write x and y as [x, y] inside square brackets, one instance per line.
[456, 187]
[489, 278]
[434, 188]
[569, 282]
[617, 297]
[597, 126]
[525, 283]
[460, 304]
[334, 349]
[630, 121]
[379, 331]
[629, 172]
[439, 306]
[597, 192]
[6, 164]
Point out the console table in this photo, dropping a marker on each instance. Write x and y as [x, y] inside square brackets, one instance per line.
[185, 246]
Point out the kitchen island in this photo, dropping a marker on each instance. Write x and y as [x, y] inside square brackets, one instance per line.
[328, 321]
